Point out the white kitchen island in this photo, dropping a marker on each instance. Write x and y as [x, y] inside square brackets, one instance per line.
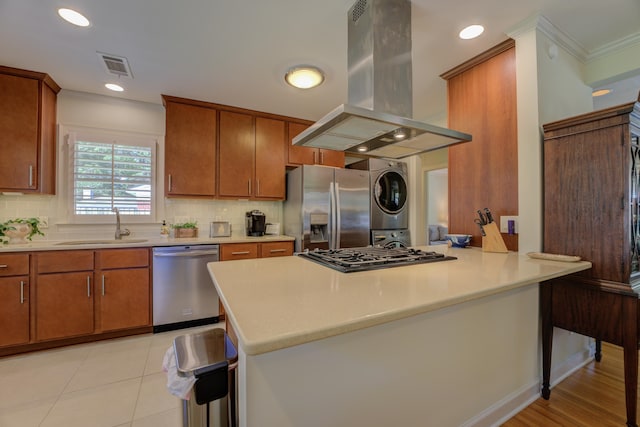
[439, 344]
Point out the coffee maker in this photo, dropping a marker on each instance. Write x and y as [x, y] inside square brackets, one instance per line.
[256, 223]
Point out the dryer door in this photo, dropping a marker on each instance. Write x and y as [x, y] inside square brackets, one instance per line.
[390, 192]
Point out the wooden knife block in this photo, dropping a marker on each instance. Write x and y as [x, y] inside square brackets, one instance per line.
[493, 241]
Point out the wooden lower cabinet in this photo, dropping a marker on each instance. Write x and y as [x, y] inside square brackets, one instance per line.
[231, 251]
[14, 310]
[64, 305]
[275, 249]
[123, 289]
[124, 299]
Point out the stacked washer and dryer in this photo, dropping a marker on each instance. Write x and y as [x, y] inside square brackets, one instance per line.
[389, 211]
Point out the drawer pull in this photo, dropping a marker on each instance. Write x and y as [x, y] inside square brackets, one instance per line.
[22, 300]
[273, 251]
[240, 253]
[4, 266]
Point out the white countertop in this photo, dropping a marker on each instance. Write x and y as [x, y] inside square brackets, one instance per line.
[50, 245]
[275, 303]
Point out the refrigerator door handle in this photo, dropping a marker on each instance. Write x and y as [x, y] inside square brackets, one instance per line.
[332, 216]
[337, 207]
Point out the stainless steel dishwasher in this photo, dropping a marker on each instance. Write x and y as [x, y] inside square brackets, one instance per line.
[183, 292]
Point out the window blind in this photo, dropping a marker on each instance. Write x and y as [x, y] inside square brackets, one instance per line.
[108, 175]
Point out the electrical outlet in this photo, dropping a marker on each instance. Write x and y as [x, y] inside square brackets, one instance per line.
[504, 224]
[44, 222]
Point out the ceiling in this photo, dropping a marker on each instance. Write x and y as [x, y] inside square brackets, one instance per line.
[236, 52]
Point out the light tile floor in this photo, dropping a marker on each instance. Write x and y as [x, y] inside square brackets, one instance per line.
[113, 383]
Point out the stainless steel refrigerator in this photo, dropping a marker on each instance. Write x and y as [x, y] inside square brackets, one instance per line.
[327, 208]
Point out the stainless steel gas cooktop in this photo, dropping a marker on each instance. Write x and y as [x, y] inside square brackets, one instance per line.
[372, 258]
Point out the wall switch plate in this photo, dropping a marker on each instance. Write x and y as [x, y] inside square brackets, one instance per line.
[504, 224]
[44, 222]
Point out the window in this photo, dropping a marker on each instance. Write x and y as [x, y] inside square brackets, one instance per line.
[111, 171]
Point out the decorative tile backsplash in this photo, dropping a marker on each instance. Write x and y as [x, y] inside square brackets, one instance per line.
[175, 210]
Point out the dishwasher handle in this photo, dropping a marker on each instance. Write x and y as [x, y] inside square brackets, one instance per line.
[185, 254]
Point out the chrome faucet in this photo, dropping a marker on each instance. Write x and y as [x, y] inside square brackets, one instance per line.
[119, 232]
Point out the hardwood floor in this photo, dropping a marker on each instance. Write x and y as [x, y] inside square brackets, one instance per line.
[592, 396]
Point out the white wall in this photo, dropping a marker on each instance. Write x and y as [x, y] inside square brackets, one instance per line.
[103, 112]
[549, 87]
[437, 197]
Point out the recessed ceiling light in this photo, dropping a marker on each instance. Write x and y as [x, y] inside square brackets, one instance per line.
[114, 87]
[471, 32]
[362, 149]
[73, 17]
[600, 92]
[304, 77]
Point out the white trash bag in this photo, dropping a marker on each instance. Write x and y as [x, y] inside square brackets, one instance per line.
[177, 385]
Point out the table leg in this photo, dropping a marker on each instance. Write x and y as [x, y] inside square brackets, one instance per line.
[598, 355]
[547, 337]
[630, 346]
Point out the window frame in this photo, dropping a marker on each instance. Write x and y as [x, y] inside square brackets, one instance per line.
[73, 134]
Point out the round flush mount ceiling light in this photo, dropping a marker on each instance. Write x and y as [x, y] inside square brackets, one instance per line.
[471, 32]
[304, 76]
[114, 87]
[600, 92]
[73, 17]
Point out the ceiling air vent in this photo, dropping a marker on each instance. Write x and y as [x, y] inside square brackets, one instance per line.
[116, 65]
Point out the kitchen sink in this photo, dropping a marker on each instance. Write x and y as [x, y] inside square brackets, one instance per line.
[101, 242]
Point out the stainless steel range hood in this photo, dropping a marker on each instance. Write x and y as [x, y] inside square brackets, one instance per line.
[376, 121]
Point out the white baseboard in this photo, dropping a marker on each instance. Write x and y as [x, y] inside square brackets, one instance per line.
[501, 411]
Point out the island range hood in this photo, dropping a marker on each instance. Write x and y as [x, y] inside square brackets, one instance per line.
[376, 121]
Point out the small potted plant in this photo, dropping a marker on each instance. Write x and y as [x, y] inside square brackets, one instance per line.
[185, 229]
[19, 230]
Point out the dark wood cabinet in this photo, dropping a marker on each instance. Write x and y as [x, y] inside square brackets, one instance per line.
[189, 149]
[27, 131]
[310, 156]
[591, 209]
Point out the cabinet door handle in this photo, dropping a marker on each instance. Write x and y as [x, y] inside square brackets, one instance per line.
[30, 175]
[4, 266]
[103, 285]
[88, 286]
[273, 251]
[314, 157]
[240, 253]
[22, 300]
[170, 184]
[249, 182]
[257, 187]
[321, 158]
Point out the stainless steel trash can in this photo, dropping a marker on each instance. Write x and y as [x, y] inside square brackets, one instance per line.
[211, 357]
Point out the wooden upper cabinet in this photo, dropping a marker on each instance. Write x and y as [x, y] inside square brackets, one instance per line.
[27, 131]
[190, 149]
[237, 154]
[484, 172]
[251, 163]
[270, 159]
[310, 156]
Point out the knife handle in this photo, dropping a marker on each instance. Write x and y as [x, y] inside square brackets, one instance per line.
[487, 212]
